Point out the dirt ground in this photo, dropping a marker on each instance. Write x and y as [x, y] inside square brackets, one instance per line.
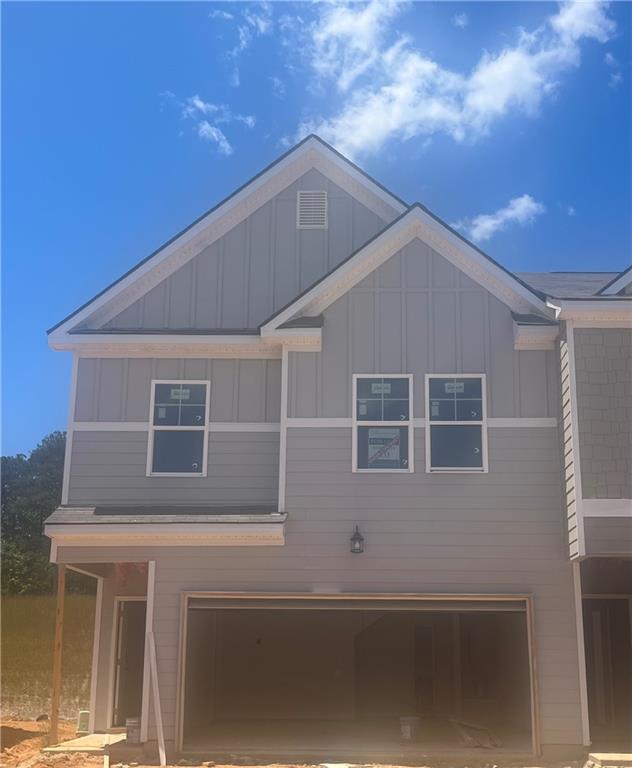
[21, 742]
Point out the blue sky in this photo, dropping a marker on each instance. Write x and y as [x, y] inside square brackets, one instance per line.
[122, 122]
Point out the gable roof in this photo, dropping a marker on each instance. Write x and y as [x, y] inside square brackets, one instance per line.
[311, 152]
[418, 222]
[618, 283]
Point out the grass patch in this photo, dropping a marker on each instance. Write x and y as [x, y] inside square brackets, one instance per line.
[28, 628]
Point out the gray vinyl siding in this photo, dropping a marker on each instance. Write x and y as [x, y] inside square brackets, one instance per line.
[119, 389]
[570, 478]
[603, 360]
[608, 536]
[418, 314]
[257, 267]
[110, 468]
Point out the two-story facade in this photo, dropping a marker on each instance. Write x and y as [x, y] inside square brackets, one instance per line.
[333, 466]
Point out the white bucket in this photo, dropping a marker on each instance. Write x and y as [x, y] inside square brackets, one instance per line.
[132, 726]
[408, 727]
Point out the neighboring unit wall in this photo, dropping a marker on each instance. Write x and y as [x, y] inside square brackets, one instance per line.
[418, 314]
[258, 267]
[603, 360]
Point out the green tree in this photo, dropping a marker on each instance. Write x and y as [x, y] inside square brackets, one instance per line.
[31, 489]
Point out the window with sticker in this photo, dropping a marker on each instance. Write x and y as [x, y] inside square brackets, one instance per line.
[456, 433]
[382, 423]
[179, 426]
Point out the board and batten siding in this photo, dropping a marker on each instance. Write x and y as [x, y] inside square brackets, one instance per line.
[119, 389]
[418, 314]
[258, 267]
[499, 532]
[109, 468]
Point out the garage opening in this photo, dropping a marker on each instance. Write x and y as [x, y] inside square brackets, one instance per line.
[271, 676]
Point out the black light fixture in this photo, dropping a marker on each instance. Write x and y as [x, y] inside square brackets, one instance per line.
[357, 542]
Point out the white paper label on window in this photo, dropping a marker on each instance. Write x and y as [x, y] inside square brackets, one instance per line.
[434, 408]
[162, 412]
[180, 394]
[380, 388]
[383, 445]
[362, 409]
[454, 387]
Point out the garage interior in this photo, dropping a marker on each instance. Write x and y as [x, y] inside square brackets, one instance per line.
[312, 676]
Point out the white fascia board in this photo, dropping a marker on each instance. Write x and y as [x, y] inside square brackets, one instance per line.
[416, 223]
[619, 284]
[614, 313]
[535, 337]
[166, 345]
[310, 154]
[167, 534]
[295, 339]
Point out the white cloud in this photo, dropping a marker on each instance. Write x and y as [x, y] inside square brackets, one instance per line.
[401, 93]
[570, 210]
[256, 21]
[520, 210]
[346, 39]
[207, 117]
[460, 20]
[213, 133]
[224, 15]
[278, 87]
[616, 78]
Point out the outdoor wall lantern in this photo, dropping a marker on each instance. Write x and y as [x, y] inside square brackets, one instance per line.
[357, 542]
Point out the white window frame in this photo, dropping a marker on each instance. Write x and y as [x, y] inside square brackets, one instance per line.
[410, 424]
[152, 428]
[482, 423]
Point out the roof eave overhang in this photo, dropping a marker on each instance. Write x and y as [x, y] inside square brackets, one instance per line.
[594, 313]
[186, 345]
[415, 223]
[535, 337]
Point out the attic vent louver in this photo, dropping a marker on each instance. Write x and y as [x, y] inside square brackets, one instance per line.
[311, 209]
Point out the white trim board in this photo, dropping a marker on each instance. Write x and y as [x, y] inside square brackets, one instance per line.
[536, 422]
[607, 507]
[324, 422]
[310, 153]
[415, 223]
[168, 534]
[142, 426]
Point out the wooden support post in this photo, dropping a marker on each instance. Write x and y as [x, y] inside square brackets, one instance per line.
[457, 684]
[53, 735]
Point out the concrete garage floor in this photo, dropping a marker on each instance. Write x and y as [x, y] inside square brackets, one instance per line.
[350, 740]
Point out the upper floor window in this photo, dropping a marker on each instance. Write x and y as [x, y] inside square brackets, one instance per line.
[382, 423]
[456, 428]
[311, 209]
[178, 428]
